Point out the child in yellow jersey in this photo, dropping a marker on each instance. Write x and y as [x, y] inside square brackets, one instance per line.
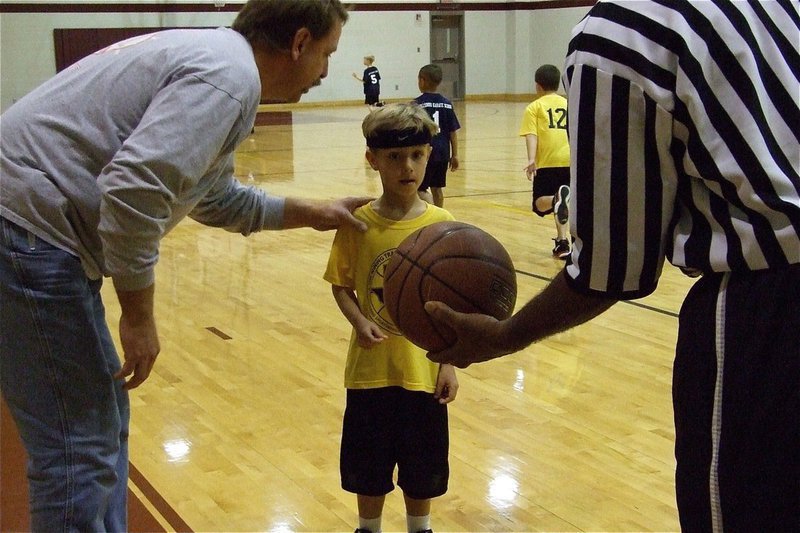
[544, 126]
[396, 412]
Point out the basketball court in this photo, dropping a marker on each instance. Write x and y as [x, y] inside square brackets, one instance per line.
[237, 428]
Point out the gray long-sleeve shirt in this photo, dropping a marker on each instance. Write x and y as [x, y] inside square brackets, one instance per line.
[109, 155]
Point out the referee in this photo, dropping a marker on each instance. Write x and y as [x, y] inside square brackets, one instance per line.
[684, 134]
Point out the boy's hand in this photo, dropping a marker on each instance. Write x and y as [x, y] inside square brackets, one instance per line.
[369, 334]
[530, 170]
[446, 384]
[454, 163]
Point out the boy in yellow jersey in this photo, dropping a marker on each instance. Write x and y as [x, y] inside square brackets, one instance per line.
[396, 412]
[544, 126]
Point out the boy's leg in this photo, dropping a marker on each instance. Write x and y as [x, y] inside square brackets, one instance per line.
[432, 184]
[370, 511]
[544, 189]
[416, 507]
[423, 467]
[543, 205]
[367, 458]
[370, 506]
[418, 514]
[424, 446]
[561, 212]
[438, 196]
[436, 178]
[553, 184]
[426, 195]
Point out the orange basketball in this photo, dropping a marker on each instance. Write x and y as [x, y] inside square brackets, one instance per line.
[451, 262]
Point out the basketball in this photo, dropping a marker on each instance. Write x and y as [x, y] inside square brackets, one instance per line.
[451, 262]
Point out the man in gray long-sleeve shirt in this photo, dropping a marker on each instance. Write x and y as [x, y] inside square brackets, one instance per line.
[98, 164]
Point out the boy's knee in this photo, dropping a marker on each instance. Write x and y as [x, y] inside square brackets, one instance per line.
[542, 212]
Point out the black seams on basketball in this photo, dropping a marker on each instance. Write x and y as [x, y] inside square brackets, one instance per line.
[451, 262]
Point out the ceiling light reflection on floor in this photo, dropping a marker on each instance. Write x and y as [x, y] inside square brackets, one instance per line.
[519, 383]
[178, 450]
[280, 527]
[503, 490]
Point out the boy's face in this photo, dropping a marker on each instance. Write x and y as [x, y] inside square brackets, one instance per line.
[401, 169]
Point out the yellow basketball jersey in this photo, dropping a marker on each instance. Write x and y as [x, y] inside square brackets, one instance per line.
[358, 261]
[546, 117]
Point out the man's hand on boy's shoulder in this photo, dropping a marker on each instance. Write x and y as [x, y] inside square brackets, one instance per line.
[323, 215]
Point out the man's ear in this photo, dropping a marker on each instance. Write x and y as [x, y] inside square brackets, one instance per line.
[302, 38]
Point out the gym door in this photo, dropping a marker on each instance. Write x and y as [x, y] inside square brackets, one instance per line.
[447, 51]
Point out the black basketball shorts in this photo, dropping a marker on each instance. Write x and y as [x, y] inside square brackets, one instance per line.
[435, 175]
[392, 426]
[546, 183]
[371, 97]
[736, 396]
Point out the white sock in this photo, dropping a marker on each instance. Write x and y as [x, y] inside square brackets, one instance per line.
[372, 524]
[418, 523]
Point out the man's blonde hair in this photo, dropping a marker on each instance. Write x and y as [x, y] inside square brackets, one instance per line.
[398, 117]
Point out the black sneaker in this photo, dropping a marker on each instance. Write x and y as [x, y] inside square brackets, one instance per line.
[362, 530]
[425, 531]
[561, 204]
[562, 249]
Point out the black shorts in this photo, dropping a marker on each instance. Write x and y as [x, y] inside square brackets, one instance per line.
[372, 97]
[389, 427]
[737, 402]
[546, 183]
[435, 175]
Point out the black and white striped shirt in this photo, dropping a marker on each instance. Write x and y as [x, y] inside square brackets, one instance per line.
[685, 138]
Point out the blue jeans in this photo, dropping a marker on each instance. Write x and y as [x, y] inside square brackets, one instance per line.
[57, 359]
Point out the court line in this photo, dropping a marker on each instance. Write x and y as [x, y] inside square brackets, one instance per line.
[634, 303]
[221, 334]
[142, 517]
[488, 193]
[157, 501]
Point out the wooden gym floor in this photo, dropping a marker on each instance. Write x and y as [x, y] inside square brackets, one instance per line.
[238, 427]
